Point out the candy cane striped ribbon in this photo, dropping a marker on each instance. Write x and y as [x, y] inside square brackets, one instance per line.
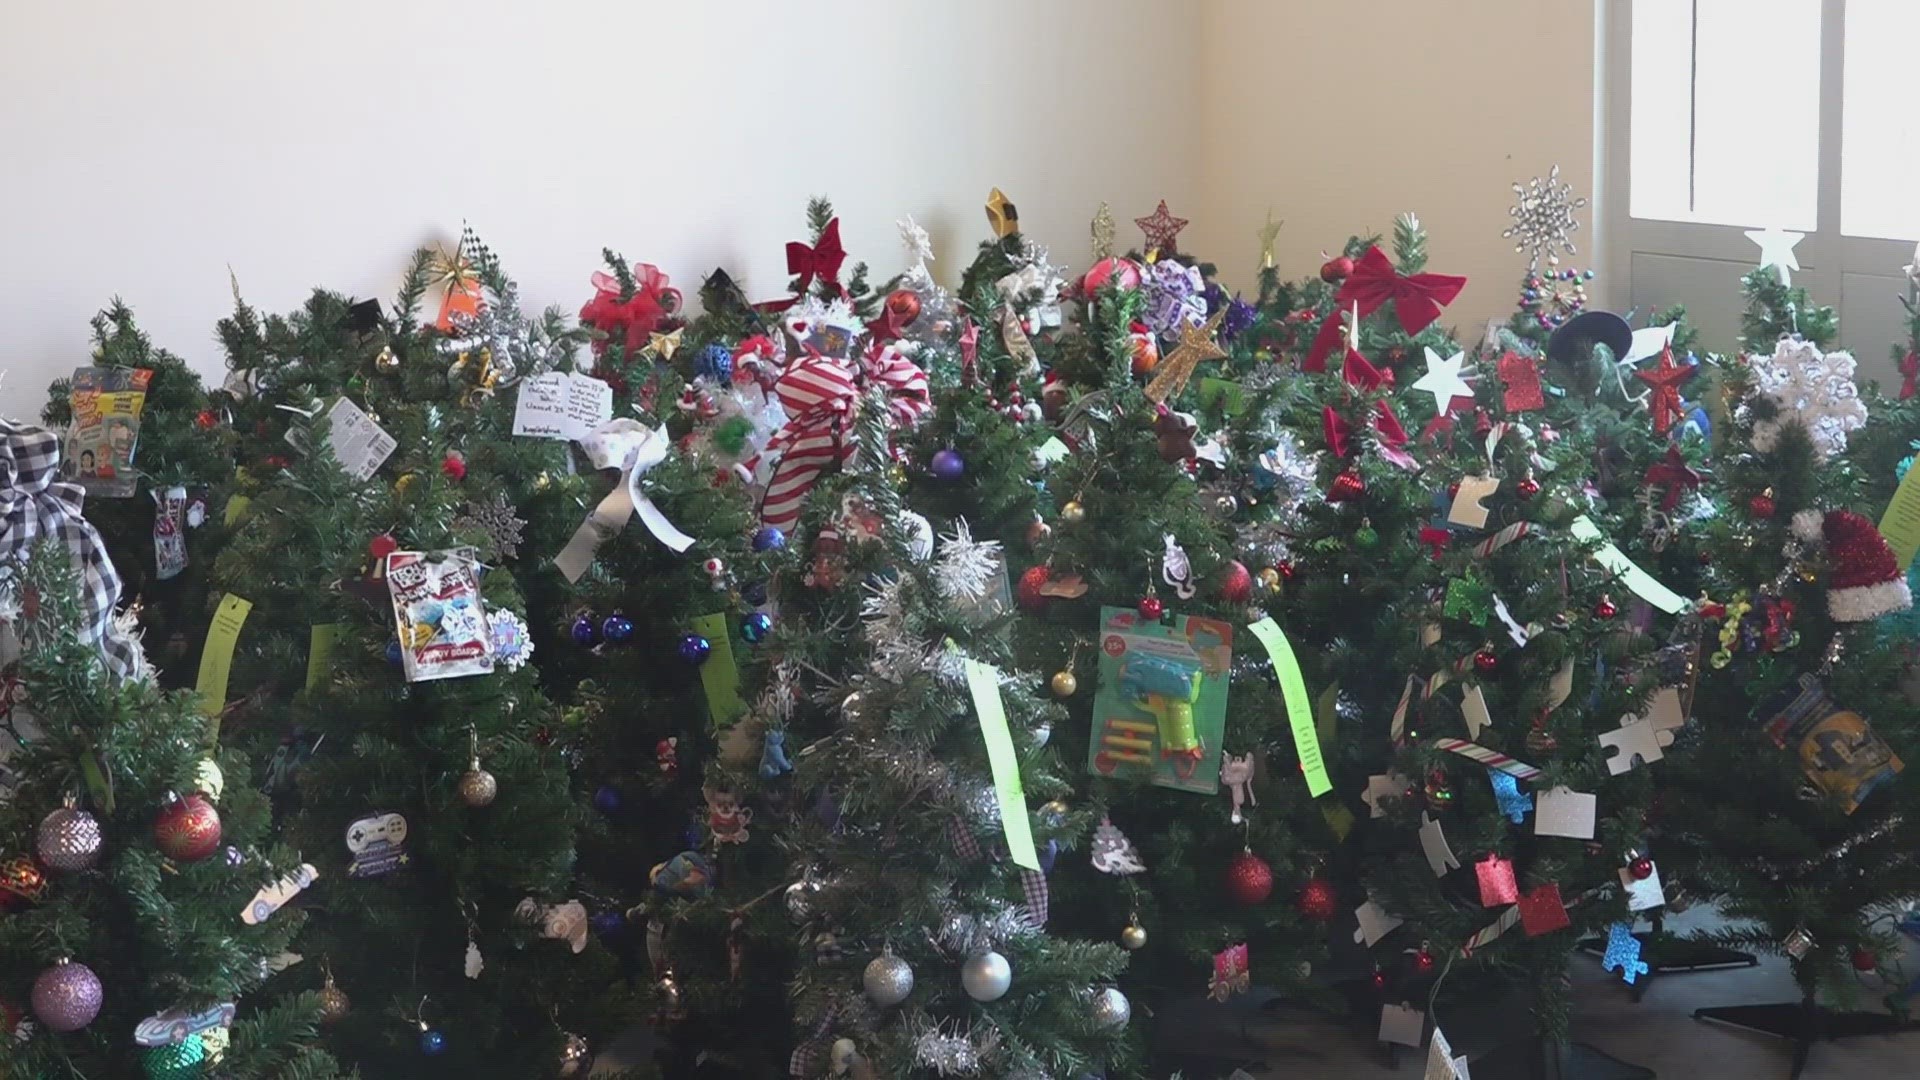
[819, 396]
[1508, 920]
[1492, 759]
[1517, 531]
[905, 384]
[1397, 727]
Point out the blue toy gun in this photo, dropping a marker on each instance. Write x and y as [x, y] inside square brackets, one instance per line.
[1167, 688]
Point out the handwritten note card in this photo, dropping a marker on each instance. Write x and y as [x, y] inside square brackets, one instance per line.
[562, 405]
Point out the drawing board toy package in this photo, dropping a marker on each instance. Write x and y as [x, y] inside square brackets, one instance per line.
[437, 614]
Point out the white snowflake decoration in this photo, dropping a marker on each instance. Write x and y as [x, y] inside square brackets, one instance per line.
[1812, 390]
[1543, 218]
[512, 645]
[918, 244]
[965, 568]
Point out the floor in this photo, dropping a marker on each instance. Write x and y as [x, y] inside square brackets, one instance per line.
[1658, 1032]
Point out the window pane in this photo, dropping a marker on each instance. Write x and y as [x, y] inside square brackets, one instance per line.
[1726, 109]
[1880, 137]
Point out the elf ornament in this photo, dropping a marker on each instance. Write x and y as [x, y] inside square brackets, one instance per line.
[1864, 580]
[187, 830]
[1249, 879]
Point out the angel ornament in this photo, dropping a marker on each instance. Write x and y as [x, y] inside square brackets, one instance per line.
[1237, 774]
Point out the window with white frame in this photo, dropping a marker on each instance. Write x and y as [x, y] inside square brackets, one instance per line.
[1729, 115]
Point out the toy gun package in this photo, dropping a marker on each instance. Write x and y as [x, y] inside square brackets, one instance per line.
[1840, 754]
[1161, 709]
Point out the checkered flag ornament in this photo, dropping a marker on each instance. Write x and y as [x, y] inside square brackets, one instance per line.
[36, 504]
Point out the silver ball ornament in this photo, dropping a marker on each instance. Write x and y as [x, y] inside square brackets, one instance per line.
[576, 1057]
[478, 787]
[887, 980]
[1110, 1008]
[68, 841]
[986, 977]
[799, 897]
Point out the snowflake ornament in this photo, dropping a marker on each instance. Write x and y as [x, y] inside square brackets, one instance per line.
[496, 523]
[1811, 390]
[965, 567]
[512, 645]
[919, 246]
[1543, 218]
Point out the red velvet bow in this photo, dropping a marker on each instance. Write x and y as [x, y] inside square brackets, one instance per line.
[1328, 339]
[1335, 430]
[1909, 374]
[1417, 298]
[634, 318]
[822, 259]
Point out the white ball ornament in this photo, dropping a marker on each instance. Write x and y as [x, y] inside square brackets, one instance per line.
[986, 977]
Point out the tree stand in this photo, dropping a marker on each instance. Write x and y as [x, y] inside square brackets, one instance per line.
[1803, 1024]
[1666, 954]
[1538, 1058]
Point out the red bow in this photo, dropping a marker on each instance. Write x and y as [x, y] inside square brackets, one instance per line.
[1329, 338]
[1417, 298]
[822, 259]
[634, 318]
[819, 396]
[908, 398]
[1909, 373]
[1335, 430]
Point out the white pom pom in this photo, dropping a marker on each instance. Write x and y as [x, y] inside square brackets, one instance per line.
[1806, 526]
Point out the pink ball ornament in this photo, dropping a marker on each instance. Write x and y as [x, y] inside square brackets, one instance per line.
[1123, 272]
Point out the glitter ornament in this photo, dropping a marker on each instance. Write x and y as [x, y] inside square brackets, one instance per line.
[1543, 220]
[694, 649]
[454, 466]
[617, 629]
[1072, 512]
[1151, 608]
[334, 1003]
[1064, 684]
[187, 830]
[1110, 1008]
[1318, 900]
[175, 1061]
[1761, 505]
[1249, 879]
[68, 841]
[986, 977]
[1236, 583]
[949, 465]
[478, 786]
[67, 996]
[1028, 591]
[887, 980]
[496, 523]
[755, 626]
[1811, 390]
[1365, 536]
[1347, 487]
[1133, 937]
[584, 630]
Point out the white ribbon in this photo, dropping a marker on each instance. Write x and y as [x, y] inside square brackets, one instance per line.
[634, 449]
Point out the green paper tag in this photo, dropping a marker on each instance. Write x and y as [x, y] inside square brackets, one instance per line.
[320, 651]
[1901, 523]
[1227, 393]
[236, 509]
[720, 675]
[99, 785]
[1616, 562]
[216, 659]
[1339, 819]
[984, 683]
[1326, 713]
[1293, 686]
[1052, 450]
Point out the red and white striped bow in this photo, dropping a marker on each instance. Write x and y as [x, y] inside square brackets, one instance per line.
[905, 384]
[819, 396]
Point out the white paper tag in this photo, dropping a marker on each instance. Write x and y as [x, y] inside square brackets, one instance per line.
[562, 405]
[359, 445]
[1441, 1064]
[1382, 786]
[1466, 509]
[1375, 923]
[1433, 844]
[1565, 812]
[1402, 1024]
[1642, 895]
[1473, 706]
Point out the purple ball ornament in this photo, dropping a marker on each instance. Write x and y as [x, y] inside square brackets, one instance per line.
[694, 648]
[755, 627]
[949, 465]
[607, 798]
[584, 631]
[67, 996]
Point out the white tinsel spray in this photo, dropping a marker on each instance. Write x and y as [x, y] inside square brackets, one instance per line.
[965, 567]
[1811, 389]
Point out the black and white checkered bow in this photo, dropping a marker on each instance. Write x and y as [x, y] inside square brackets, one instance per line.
[36, 503]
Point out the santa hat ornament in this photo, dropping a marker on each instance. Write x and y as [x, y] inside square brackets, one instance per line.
[1864, 580]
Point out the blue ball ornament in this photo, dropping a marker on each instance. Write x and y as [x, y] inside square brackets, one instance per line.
[768, 538]
[583, 630]
[949, 465]
[694, 648]
[754, 592]
[393, 652]
[433, 1042]
[607, 923]
[607, 798]
[756, 626]
[617, 628]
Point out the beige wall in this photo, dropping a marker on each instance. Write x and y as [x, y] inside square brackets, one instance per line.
[149, 147]
[1340, 116]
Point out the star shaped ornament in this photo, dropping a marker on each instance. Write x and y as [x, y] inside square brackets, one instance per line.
[1443, 380]
[1161, 228]
[1664, 379]
[1196, 344]
[1776, 250]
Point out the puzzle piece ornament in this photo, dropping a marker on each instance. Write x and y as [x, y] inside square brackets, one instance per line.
[1623, 953]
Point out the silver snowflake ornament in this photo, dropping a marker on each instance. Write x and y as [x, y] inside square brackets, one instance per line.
[497, 526]
[1543, 218]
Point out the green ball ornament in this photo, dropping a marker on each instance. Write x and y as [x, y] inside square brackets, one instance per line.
[178, 1061]
[730, 435]
[1365, 536]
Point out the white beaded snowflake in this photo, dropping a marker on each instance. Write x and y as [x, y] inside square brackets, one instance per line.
[1543, 218]
[1811, 389]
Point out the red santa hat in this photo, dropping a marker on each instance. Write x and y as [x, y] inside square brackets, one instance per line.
[1864, 580]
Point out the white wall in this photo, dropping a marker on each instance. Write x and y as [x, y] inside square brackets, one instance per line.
[147, 148]
[1340, 116]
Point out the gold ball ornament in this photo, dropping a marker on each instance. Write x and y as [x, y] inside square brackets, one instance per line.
[1064, 684]
[1073, 513]
[387, 362]
[1270, 579]
[1133, 937]
[334, 1003]
[478, 787]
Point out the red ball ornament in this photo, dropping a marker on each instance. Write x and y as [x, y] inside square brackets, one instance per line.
[1236, 583]
[1124, 273]
[1379, 979]
[1606, 608]
[1863, 960]
[207, 419]
[1336, 269]
[1423, 960]
[1028, 591]
[1249, 879]
[1285, 566]
[1761, 505]
[187, 830]
[903, 306]
[1453, 490]
[1485, 661]
[1318, 900]
[1641, 868]
[382, 546]
[454, 465]
[1347, 487]
[1151, 608]
[1528, 487]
